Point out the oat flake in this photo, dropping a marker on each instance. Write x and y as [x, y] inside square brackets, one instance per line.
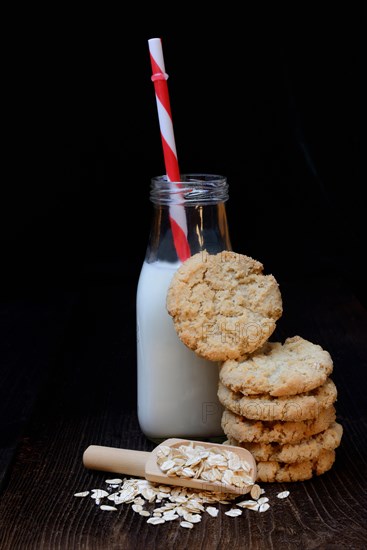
[98, 494]
[137, 507]
[234, 512]
[186, 524]
[264, 507]
[115, 481]
[155, 521]
[247, 503]
[212, 511]
[255, 491]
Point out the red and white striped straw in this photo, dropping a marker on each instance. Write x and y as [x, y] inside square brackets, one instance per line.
[176, 212]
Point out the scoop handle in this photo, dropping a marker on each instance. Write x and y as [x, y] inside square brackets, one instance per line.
[112, 459]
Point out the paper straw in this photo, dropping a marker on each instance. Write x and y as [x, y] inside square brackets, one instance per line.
[176, 212]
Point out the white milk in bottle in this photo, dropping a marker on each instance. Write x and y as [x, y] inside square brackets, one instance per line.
[177, 389]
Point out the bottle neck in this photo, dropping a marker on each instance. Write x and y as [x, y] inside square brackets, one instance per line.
[198, 201]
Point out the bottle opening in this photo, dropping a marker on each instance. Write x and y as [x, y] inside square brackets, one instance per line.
[193, 189]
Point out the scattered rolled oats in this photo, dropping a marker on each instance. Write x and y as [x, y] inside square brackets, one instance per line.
[178, 503]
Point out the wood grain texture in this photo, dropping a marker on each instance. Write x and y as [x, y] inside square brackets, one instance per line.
[87, 400]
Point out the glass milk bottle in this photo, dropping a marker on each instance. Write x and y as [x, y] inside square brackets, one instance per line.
[177, 389]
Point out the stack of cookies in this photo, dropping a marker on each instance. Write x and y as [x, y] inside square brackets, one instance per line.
[279, 404]
[278, 398]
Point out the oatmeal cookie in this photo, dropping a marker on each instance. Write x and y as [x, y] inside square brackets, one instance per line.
[297, 366]
[222, 305]
[305, 406]
[299, 471]
[255, 431]
[307, 449]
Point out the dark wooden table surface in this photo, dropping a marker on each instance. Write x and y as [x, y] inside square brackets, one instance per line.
[68, 368]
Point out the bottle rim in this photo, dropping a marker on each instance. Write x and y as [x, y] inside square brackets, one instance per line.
[193, 189]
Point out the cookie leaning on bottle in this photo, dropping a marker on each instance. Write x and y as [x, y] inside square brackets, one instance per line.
[222, 305]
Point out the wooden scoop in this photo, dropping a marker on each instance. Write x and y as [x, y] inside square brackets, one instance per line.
[144, 464]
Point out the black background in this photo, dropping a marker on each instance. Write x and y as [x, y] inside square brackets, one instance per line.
[273, 98]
